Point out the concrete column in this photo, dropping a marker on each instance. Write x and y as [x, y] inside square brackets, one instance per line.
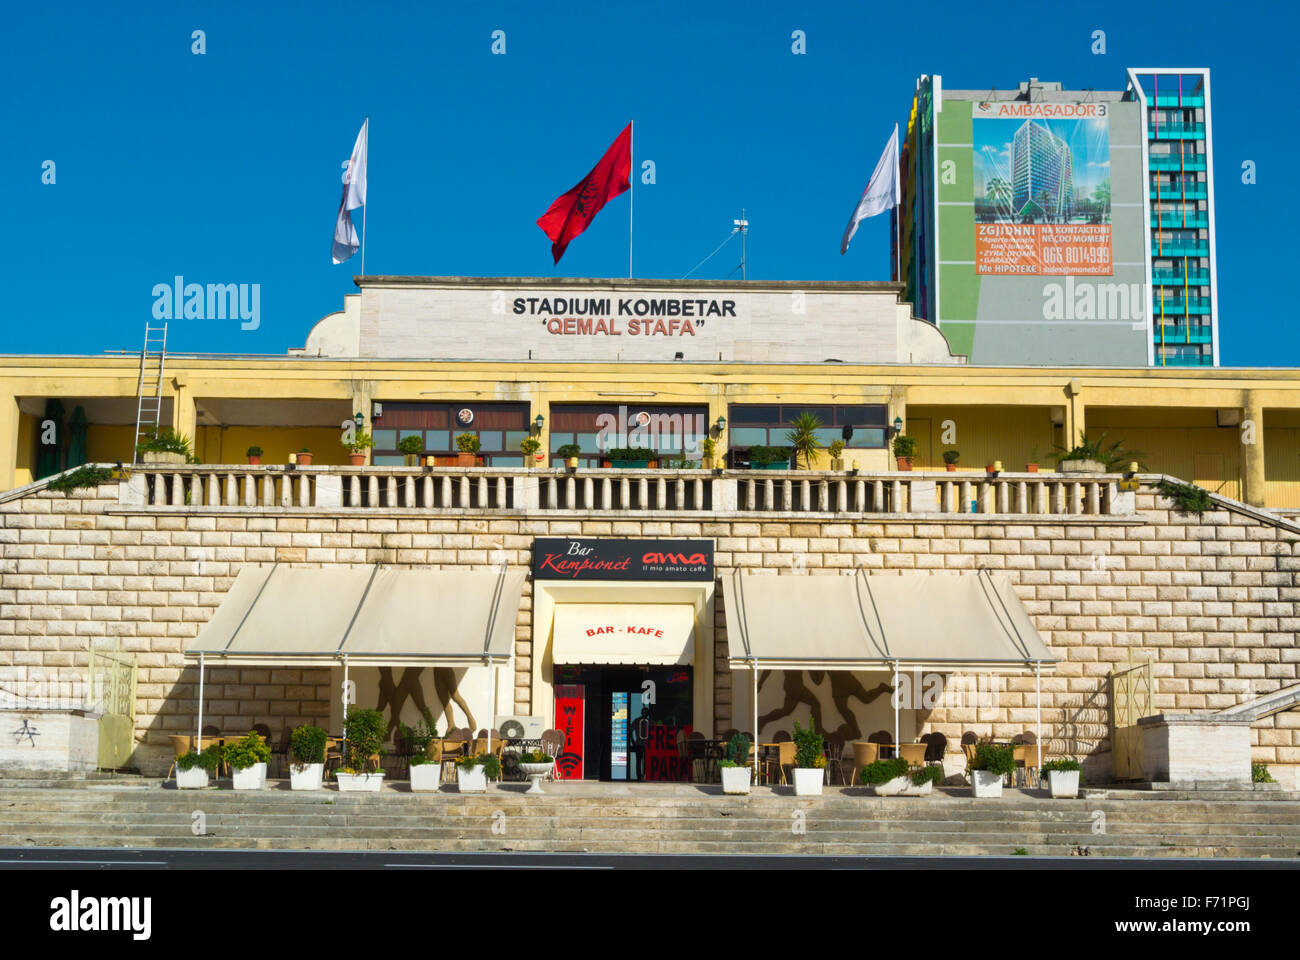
[184, 415]
[8, 440]
[1252, 454]
[1075, 420]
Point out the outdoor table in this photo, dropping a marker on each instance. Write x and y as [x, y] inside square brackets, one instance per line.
[517, 746]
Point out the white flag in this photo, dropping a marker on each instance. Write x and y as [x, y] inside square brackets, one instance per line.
[882, 191]
[354, 195]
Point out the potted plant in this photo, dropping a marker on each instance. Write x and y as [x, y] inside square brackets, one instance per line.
[304, 457]
[535, 764]
[356, 448]
[803, 438]
[630, 458]
[247, 758]
[736, 772]
[835, 450]
[708, 447]
[194, 768]
[473, 773]
[1032, 465]
[426, 755]
[950, 458]
[769, 458]
[1093, 456]
[364, 730]
[529, 446]
[887, 778]
[467, 446]
[254, 455]
[306, 758]
[992, 762]
[922, 781]
[809, 761]
[904, 450]
[569, 454]
[411, 447]
[1062, 777]
[164, 446]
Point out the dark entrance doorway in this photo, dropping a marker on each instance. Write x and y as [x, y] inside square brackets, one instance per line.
[633, 720]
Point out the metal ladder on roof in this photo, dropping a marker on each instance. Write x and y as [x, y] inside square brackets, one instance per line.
[148, 394]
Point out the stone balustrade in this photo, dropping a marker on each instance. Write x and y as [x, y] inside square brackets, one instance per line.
[595, 492]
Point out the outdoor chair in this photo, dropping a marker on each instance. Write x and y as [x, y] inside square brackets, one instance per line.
[913, 753]
[936, 747]
[968, 749]
[1026, 756]
[552, 745]
[784, 759]
[835, 757]
[782, 736]
[180, 747]
[885, 739]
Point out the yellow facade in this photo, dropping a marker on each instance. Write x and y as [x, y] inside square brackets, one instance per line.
[285, 403]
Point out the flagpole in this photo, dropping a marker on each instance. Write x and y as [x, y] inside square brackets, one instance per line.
[631, 183]
[365, 205]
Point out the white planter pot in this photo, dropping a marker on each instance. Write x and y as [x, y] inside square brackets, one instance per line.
[892, 788]
[536, 772]
[250, 778]
[808, 781]
[1063, 783]
[360, 782]
[306, 776]
[912, 790]
[985, 784]
[471, 779]
[736, 780]
[195, 778]
[426, 777]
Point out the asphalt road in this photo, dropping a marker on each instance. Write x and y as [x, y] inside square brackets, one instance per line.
[100, 858]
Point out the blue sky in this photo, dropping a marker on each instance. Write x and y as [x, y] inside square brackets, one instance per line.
[224, 167]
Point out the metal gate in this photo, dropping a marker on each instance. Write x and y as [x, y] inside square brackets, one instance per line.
[1131, 692]
[112, 695]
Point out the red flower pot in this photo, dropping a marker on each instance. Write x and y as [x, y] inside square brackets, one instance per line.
[904, 463]
[357, 459]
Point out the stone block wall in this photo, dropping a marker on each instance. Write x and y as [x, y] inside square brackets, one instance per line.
[1212, 600]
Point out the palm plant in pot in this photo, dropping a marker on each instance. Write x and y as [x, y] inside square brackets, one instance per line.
[364, 730]
[809, 761]
[736, 772]
[473, 773]
[356, 448]
[803, 437]
[306, 758]
[411, 447]
[1062, 776]
[569, 454]
[950, 458]
[467, 445]
[991, 764]
[904, 451]
[247, 758]
[426, 754]
[194, 768]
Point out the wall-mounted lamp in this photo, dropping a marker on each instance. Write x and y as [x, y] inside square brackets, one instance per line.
[898, 425]
[720, 425]
[360, 421]
[538, 424]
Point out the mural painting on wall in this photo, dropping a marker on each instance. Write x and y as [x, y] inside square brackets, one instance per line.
[394, 694]
[845, 686]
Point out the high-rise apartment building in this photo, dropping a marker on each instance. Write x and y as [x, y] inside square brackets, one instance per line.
[1048, 226]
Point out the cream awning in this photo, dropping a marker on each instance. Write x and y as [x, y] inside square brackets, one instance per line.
[942, 622]
[370, 615]
[631, 633]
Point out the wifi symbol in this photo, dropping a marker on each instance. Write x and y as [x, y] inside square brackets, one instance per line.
[568, 764]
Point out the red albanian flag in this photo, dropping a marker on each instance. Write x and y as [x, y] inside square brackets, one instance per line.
[572, 213]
